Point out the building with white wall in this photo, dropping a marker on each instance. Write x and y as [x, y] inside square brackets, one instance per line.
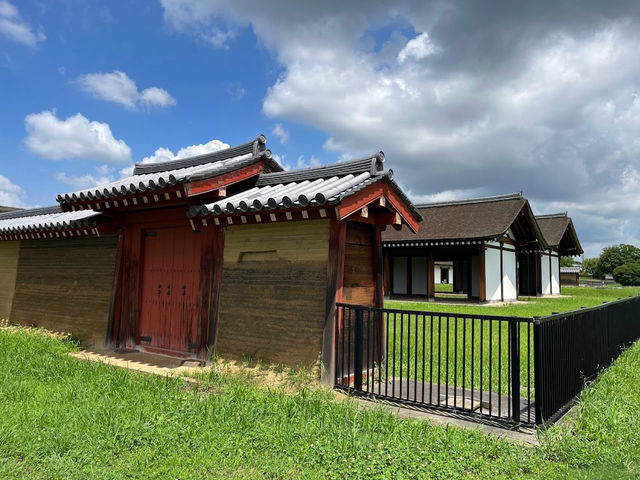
[562, 240]
[481, 238]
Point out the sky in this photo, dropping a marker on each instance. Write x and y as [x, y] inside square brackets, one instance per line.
[465, 98]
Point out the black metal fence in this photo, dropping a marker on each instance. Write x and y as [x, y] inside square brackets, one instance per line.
[498, 369]
[477, 365]
[572, 347]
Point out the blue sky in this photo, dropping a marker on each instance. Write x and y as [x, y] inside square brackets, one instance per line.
[465, 99]
[218, 93]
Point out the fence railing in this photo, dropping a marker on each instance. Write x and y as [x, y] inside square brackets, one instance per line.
[477, 365]
[499, 369]
[572, 347]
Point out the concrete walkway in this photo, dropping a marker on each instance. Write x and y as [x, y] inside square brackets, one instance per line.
[144, 362]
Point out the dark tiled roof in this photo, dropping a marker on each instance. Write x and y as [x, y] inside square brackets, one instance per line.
[475, 219]
[152, 176]
[46, 218]
[326, 185]
[558, 231]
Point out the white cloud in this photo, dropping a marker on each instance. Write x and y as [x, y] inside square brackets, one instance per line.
[118, 87]
[417, 48]
[164, 154]
[156, 97]
[280, 132]
[11, 195]
[218, 38]
[102, 174]
[75, 137]
[494, 99]
[15, 28]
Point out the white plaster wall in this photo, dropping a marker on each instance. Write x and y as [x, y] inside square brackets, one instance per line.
[400, 275]
[436, 274]
[419, 275]
[492, 273]
[546, 286]
[475, 290]
[509, 275]
[555, 275]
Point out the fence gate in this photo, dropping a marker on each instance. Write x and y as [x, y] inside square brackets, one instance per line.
[471, 365]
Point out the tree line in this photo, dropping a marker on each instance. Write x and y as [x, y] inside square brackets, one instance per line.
[622, 261]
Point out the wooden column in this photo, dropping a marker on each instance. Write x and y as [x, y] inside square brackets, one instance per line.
[431, 287]
[126, 298]
[378, 267]
[482, 284]
[211, 262]
[380, 350]
[116, 294]
[335, 278]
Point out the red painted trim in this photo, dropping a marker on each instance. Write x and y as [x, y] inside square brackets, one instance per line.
[198, 187]
[364, 197]
[352, 204]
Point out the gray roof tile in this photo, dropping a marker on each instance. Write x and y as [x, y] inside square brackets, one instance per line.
[149, 177]
[42, 219]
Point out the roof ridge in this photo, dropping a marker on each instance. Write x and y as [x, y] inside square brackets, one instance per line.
[256, 147]
[495, 198]
[30, 212]
[372, 163]
[553, 215]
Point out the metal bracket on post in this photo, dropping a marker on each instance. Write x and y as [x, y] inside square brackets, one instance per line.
[357, 367]
[514, 339]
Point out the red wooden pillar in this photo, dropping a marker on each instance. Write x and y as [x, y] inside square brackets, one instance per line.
[116, 295]
[210, 282]
[380, 350]
[482, 287]
[335, 278]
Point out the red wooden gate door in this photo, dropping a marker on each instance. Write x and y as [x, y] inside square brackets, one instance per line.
[168, 317]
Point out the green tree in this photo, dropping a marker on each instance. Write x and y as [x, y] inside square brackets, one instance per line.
[567, 262]
[615, 256]
[590, 266]
[627, 274]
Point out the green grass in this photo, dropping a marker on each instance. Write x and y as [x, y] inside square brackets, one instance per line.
[67, 419]
[486, 343]
[572, 299]
[443, 287]
[477, 355]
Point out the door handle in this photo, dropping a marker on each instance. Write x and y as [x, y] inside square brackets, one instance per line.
[184, 290]
[159, 289]
[168, 289]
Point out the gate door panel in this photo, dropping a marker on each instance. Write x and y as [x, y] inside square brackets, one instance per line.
[169, 291]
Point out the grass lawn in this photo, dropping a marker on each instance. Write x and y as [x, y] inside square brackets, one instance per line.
[572, 299]
[65, 418]
[443, 287]
[486, 342]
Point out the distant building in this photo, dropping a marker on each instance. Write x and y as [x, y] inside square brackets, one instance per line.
[570, 275]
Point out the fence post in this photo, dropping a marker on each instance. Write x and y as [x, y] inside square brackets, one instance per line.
[357, 367]
[514, 339]
[537, 370]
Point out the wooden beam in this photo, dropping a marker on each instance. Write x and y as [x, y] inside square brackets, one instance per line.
[335, 279]
[198, 187]
[482, 280]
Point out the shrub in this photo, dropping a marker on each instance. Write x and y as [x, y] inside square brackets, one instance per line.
[627, 274]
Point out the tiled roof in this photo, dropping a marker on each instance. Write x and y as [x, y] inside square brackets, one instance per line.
[577, 269]
[309, 187]
[475, 219]
[44, 219]
[558, 231]
[151, 176]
